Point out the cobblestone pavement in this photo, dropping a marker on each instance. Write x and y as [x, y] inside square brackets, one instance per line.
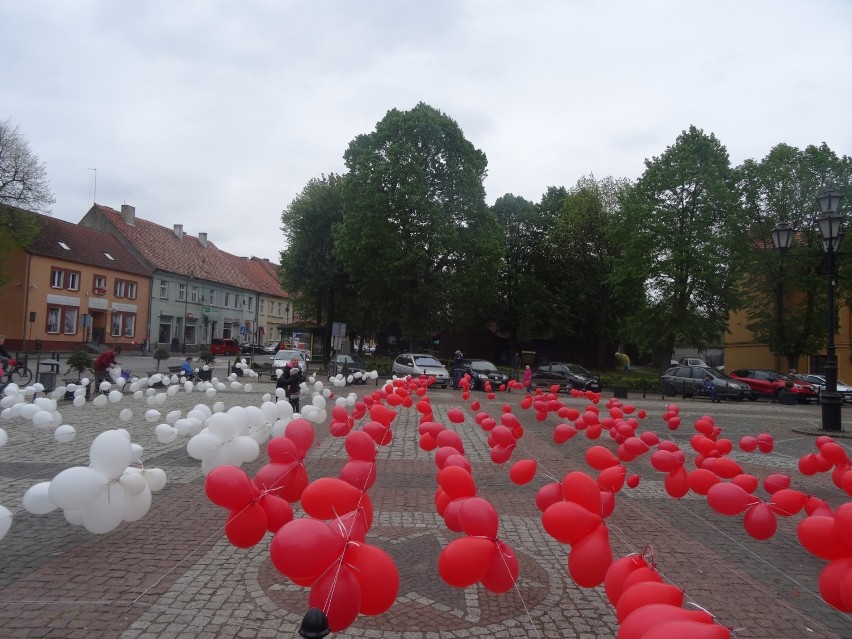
[173, 574]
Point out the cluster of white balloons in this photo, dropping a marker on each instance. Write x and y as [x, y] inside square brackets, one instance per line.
[106, 492]
[339, 379]
[41, 411]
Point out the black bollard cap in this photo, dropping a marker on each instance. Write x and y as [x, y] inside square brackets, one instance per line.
[314, 625]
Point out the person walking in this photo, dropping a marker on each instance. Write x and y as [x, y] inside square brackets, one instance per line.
[527, 377]
[4, 356]
[458, 368]
[290, 380]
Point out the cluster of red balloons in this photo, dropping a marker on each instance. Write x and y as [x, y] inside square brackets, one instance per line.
[480, 556]
[647, 608]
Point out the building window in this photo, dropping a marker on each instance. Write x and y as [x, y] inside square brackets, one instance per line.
[193, 295]
[99, 284]
[181, 292]
[57, 278]
[250, 301]
[212, 297]
[227, 299]
[61, 319]
[129, 324]
[120, 288]
[131, 290]
[72, 279]
[164, 289]
[123, 324]
[262, 306]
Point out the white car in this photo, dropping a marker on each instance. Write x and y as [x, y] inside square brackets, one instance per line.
[417, 364]
[283, 357]
[819, 381]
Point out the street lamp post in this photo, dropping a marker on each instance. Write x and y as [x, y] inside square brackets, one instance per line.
[830, 223]
[185, 309]
[782, 238]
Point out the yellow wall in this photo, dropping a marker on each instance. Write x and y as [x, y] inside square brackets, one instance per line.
[742, 352]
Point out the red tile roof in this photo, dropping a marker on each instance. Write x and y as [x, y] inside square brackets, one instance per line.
[186, 255]
[86, 246]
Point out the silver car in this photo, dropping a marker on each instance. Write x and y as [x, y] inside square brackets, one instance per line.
[819, 381]
[417, 364]
[283, 357]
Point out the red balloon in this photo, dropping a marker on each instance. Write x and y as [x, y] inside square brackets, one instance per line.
[328, 497]
[590, 558]
[835, 584]
[451, 514]
[642, 574]
[748, 483]
[503, 572]
[618, 572]
[760, 521]
[460, 461]
[725, 467]
[677, 482]
[338, 594]
[748, 444]
[548, 494]
[776, 482]
[282, 450]
[274, 478]
[688, 630]
[229, 487]
[729, 499]
[701, 480]
[358, 473]
[612, 479]
[599, 457]
[665, 461]
[819, 536]
[301, 433]
[455, 415]
[377, 575]
[808, 464]
[523, 471]
[304, 548]
[787, 502]
[478, 518]
[278, 512]
[568, 522]
[635, 445]
[563, 432]
[501, 454]
[633, 480]
[450, 438]
[643, 619]
[645, 593]
[246, 526]
[582, 489]
[457, 482]
[465, 561]
[842, 520]
[292, 490]
[359, 445]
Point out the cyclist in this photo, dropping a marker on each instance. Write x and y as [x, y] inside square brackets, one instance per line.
[4, 356]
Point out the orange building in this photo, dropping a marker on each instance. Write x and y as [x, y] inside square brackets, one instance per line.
[70, 286]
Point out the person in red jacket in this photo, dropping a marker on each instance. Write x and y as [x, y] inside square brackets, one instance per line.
[105, 361]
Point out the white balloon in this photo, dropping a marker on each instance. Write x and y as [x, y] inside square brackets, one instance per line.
[5, 521]
[203, 445]
[247, 388]
[154, 379]
[318, 386]
[45, 403]
[125, 415]
[210, 392]
[37, 501]
[173, 416]
[137, 504]
[73, 516]
[110, 453]
[138, 394]
[187, 386]
[165, 434]
[133, 481]
[240, 416]
[270, 412]
[255, 416]
[279, 427]
[106, 512]
[56, 418]
[243, 449]
[105, 386]
[266, 397]
[236, 385]
[100, 401]
[42, 419]
[218, 407]
[79, 400]
[188, 426]
[200, 412]
[28, 411]
[136, 454]
[65, 433]
[156, 478]
[115, 396]
[152, 415]
[223, 425]
[11, 389]
[318, 401]
[77, 486]
[285, 409]
[171, 391]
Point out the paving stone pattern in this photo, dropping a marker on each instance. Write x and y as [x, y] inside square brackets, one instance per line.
[173, 574]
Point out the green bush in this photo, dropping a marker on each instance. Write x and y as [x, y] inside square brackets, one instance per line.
[79, 361]
[160, 354]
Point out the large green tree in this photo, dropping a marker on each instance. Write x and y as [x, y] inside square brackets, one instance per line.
[682, 233]
[418, 241]
[23, 187]
[585, 239]
[784, 295]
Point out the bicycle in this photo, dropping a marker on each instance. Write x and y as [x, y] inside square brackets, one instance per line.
[16, 373]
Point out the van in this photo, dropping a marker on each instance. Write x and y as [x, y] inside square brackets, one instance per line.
[224, 347]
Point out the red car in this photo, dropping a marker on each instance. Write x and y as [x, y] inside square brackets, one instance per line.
[764, 383]
[224, 347]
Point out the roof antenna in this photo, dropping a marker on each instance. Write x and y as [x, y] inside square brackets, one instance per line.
[95, 181]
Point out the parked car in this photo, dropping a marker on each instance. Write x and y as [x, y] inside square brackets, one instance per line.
[688, 381]
[568, 376]
[416, 364]
[482, 371]
[691, 361]
[249, 349]
[273, 347]
[220, 346]
[283, 357]
[766, 383]
[353, 364]
[819, 381]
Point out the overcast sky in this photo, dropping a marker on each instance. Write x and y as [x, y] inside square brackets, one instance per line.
[215, 114]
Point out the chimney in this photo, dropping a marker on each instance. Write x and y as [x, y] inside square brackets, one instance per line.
[202, 239]
[128, 214]
[179, 231]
